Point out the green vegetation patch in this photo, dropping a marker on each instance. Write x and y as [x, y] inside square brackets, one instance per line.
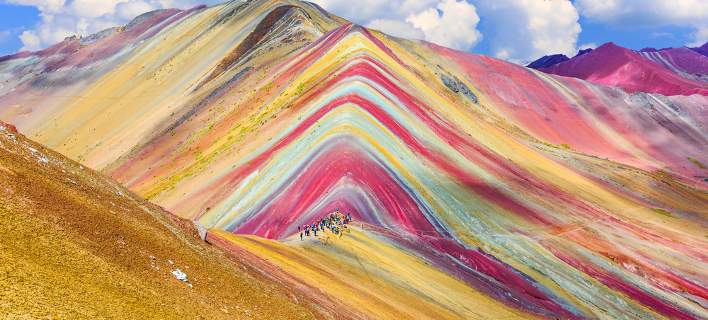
[662, 212]
[697, 163]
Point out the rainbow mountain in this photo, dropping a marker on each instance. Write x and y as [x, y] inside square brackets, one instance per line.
[479, 189]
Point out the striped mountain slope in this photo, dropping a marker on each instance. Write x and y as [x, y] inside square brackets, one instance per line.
[479, 189]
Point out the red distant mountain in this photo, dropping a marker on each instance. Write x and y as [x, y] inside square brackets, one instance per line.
[666, 71]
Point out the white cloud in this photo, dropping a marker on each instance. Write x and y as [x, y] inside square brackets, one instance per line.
[523, 30]
[63, 18]
[451, 23]
[132, 9]
[397, 28]
[591, 45]
[645, 11]
[365, 11]
[650, 13]
[29, 40]
[44, 6]
[503, 54]
[700, 37]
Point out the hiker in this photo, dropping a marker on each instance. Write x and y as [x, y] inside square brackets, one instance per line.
[325, 239]
[336, 222]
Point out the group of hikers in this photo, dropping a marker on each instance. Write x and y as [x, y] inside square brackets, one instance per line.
[335, 222]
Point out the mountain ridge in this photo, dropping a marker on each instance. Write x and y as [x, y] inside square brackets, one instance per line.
[509, 186]
[668, 71]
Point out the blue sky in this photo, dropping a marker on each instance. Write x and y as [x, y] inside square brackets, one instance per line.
[13, 20]
[634, 37]
[517, 30]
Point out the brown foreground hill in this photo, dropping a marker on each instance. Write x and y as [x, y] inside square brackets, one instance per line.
[74, 244]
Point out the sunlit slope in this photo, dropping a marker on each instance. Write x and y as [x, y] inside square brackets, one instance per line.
[549, 196]
[76, 245]
[373, 277]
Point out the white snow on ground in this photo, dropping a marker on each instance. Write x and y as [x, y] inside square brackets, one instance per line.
[201, 230]
[42, 158]
[179, 275]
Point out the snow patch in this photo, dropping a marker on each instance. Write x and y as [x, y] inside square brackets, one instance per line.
[201, 230]
[40, 157]
[180, 275]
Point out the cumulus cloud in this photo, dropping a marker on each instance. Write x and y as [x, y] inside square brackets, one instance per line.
[523, 30]
[62, 18]
[451, 23]
[590, 45]
[401, 29]
[30, 40]
[42, 5]
[650, 13]
[700, 37]
[365, 11]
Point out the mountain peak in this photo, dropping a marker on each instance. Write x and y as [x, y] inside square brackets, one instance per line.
[610, 48]
[547, 61]
[702, 49]
[583, 51]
